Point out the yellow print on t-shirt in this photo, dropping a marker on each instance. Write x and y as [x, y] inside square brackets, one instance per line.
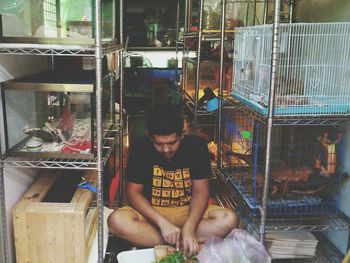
[164, 202]
[178, 174]
[179, 184]
[188, 183]
[174, 193]
[166, 192]
[156, 191]
[180, 192]
[157, 181]
[186, 172]
[167, 183]
[169, 175]
[174, 202]
[171, 188]
[155, 201]
[157, 170]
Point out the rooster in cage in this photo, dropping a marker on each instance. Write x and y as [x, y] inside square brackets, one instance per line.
[305, 180]
[325, 166]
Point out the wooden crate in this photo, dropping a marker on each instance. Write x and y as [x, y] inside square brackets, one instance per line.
[50, 232]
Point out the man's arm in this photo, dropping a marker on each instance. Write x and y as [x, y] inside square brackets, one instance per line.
[170, 233]
[198, 205]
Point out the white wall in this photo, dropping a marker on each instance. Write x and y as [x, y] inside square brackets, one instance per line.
[17, 181]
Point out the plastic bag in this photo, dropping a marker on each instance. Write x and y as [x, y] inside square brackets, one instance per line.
[238, 247]
[12, 6]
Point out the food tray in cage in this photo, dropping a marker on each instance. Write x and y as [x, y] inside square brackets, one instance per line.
[282, 205]
[292, 110]
[312, 72]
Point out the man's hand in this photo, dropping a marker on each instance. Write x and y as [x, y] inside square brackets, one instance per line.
[170, 233]
[198, 205]
[189, 241]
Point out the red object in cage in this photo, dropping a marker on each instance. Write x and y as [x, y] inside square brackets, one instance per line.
[67, 122]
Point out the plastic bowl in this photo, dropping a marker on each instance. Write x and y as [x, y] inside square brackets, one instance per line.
[137, 256]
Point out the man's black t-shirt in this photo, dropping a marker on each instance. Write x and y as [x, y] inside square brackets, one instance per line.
[167, 183]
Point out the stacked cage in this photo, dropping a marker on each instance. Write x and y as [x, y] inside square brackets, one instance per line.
[52, 114]
[57, 22]
[312, 69]
[305, 165]
[208, 78]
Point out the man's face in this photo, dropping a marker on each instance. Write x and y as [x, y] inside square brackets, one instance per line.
[167, 145]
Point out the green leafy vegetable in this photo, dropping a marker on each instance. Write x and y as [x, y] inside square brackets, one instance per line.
[177, 257]
[193, 258]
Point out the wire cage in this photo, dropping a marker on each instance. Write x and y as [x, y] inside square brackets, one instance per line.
[312, 69]
[304, 170]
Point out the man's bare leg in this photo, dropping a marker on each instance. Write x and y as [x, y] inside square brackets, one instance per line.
[126, 225]
[220, 223]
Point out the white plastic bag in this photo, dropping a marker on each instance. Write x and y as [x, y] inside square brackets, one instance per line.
[238, 247]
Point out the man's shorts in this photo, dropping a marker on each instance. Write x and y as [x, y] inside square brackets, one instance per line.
[175, 215]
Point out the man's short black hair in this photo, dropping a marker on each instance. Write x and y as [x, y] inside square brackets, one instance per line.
[164, 121]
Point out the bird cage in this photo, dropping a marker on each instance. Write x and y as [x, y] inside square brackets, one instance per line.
[312, 69]
[305, 165]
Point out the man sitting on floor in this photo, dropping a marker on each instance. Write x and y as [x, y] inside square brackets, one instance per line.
[167, 185]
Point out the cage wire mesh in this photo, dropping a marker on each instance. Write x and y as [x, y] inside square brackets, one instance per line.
[237, 140]
[304, 170]
[313, 68]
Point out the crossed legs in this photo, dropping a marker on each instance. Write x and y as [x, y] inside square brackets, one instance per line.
[130, 226]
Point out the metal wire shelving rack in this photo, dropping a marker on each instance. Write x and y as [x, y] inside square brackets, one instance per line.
[222, 35]
[201, 35]
[271, 120]
[285, 120]
[195, 113]
[326, 252]
[105, 140]
[231, 198]
[63, 163]
[55, 50]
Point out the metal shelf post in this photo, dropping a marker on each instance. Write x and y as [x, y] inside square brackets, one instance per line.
[99, 90]
[221, 76]
[273, 78]
[121, 135]
[121, 117]
[196, 92]
[104, 148]
[4, 244]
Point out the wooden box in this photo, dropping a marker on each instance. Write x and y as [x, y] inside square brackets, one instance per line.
[49, 232]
